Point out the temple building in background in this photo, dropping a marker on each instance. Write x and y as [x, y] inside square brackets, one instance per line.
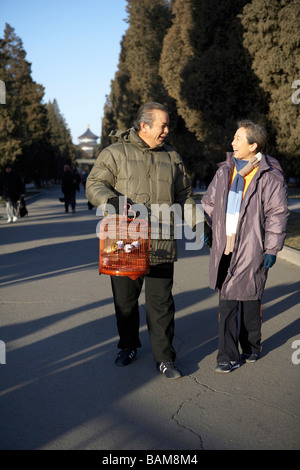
[88, 142]
[88, 145]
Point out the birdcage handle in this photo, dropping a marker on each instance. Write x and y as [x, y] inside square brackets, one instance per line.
[128, 210]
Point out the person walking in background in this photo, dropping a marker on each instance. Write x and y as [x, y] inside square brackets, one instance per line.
[246, 206]
[141, 167]
[69, 184]
[11, 189]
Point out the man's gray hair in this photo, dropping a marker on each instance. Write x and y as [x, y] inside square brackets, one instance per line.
[144, 114]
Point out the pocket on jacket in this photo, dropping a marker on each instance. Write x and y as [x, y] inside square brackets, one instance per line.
[255, 286]
[260, 281]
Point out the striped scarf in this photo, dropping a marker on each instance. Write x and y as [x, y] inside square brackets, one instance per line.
[235, 196]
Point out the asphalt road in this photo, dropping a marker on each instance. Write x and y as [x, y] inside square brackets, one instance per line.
[60, 388]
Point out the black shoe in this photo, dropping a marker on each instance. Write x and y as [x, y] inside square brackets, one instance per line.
[125, 357]
[250, 357]
[168, 370]
[227, 366]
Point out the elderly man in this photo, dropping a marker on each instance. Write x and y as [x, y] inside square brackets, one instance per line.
[141, 167]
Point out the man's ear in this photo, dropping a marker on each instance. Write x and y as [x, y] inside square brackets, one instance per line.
[143, 127]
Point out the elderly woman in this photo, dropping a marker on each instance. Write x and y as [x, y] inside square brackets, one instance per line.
[246, 207]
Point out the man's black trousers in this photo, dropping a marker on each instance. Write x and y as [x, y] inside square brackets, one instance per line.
[160, 310]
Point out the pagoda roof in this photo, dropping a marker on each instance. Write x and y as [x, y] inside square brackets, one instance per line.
[88, 144]
[88, 135]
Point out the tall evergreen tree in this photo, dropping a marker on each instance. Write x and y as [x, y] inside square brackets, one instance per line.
[149, 21]
[123, 99]
[207, 71]
[10, 146]
[10, 141]
[272, 37]
[108, 123]
[60, 139]
[27, 136]
[138, 80]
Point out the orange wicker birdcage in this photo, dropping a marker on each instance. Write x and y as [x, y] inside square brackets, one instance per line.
[124, 246]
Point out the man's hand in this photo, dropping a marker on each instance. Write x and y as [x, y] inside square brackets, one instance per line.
[113, 207]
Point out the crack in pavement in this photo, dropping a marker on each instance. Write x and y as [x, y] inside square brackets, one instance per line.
[246, 397]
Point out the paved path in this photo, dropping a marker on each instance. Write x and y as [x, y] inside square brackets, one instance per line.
[60, 389]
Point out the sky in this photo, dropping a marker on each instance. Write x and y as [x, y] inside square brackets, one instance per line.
[73, 47]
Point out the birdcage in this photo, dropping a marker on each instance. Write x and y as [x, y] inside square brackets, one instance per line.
[124, 245]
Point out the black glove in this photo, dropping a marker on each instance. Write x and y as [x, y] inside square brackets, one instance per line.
[269, 261]
[113, 207]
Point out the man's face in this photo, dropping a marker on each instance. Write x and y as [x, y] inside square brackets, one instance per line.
[241, 147]
[156, 134]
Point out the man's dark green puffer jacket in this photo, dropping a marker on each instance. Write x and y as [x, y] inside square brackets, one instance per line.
[145, 176]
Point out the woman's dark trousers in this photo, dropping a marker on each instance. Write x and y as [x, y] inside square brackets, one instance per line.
[237, 326]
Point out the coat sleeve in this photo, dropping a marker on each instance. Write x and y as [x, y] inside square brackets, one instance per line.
[192, 212]
[102, 178]
[276, 215]
[208, 199]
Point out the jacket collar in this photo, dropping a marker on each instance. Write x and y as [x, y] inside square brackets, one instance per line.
[266, 163]
[131, 136]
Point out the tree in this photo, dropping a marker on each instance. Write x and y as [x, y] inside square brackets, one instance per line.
[10, 142]
[138, 79]
[10, 146]
[108, 123]
[272, 38]
[32, 134]
[60, 140]
[208, 72]
[23, 132]
[122, 103]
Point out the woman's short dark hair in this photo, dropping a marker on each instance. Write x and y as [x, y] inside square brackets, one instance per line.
[255, 134]
[144, 114]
